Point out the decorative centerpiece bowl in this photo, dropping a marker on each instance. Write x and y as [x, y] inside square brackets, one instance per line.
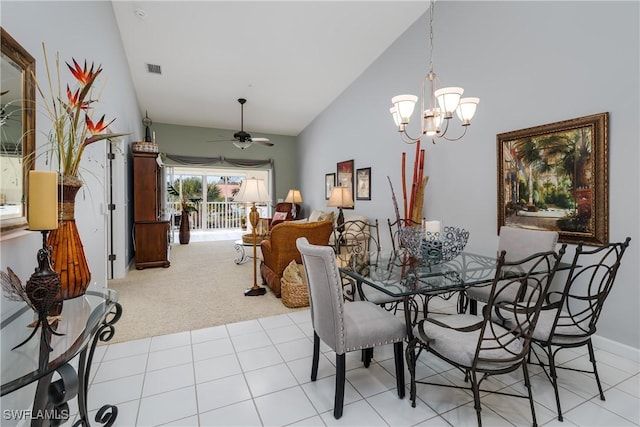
[443, 246]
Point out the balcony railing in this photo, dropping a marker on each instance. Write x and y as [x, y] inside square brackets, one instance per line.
[217, 215]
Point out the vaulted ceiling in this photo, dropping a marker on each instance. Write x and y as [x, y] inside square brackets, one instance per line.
[289, 59]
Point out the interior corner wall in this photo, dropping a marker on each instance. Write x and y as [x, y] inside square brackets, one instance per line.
[531, 63]
[33, 23]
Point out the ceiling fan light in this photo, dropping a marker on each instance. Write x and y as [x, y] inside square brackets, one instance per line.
[466, 109]
[404, 106]
[448, 99]
[242, 145]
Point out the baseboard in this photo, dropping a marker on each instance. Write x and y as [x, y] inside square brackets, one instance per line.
[617, 348]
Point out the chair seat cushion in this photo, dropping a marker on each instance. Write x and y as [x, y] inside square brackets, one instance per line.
[567, 332]
[460, 347]
[368, 325]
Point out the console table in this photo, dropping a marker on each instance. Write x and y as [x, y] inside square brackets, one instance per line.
[85, 320]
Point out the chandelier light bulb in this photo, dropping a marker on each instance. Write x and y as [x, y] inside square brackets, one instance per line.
[448, 99]
[404, 105]
[466, 110]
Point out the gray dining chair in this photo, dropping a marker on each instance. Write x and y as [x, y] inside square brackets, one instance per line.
[481, 347]
[569, 316]
[518, 243]
[345, 326]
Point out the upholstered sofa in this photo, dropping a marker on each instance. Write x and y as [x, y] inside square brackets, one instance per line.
[280, 248]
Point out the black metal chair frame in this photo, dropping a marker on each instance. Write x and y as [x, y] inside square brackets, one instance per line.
[492, 336]
[579, 311]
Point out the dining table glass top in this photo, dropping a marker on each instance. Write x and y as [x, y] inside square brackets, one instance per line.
[399, 275]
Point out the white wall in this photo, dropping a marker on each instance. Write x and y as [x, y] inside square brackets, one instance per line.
[531, 63]
[82, 30]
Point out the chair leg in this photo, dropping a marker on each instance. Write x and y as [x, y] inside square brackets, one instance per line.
[554, 378]
[316, 356]
[527, 384]
[399, 357]
[411, 364]
[592, 357]
[475, 388]
[462, 302]
[340, 378]
[367, 355]
[473, 306]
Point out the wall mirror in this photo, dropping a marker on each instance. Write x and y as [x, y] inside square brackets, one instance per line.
[17, 131]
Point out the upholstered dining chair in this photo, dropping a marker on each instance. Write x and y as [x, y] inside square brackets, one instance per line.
[345, 326]
[568, 317]
[518, 243]
[479, 346]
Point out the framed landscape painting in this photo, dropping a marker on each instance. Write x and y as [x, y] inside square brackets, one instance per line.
[556, 177]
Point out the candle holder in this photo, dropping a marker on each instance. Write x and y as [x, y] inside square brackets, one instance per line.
[41, 290]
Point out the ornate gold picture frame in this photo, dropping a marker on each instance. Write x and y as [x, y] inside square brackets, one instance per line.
[556, 177]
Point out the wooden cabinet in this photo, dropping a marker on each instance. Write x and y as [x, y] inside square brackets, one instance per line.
[152, 244]
[151, 233]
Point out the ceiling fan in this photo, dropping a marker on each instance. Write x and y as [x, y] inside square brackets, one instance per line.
[242, 139]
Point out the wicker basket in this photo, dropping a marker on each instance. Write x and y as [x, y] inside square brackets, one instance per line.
[294, 294]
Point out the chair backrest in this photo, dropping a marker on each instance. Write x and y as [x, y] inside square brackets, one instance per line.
[512, 310]
[521, 242]
[589, 282]
[394, 230]
[358, 237]
[325, 293]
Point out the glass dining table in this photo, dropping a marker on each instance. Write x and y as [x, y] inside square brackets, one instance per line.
[413, 282]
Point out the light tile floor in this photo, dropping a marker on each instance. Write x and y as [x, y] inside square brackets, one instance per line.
[257, 373]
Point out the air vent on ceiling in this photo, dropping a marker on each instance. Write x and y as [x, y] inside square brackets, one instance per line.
[153, 68]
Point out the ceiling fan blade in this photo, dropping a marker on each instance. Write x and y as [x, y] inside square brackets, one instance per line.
[262, 141]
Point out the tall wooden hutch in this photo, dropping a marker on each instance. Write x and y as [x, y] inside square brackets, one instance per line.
[150, 230]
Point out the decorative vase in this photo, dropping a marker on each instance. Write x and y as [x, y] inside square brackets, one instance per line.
[185, 233]
[67, 253]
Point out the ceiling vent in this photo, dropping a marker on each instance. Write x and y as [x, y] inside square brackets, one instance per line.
[154, 69]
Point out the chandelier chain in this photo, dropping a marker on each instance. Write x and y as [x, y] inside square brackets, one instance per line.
[431, 35]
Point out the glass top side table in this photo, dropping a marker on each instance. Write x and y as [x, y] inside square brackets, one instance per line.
[84, 321]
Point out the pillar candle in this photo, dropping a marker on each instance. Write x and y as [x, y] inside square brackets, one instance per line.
[432, 226]
[42, 208]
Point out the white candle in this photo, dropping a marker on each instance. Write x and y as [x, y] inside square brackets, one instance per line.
[42, 208]
[432, 227]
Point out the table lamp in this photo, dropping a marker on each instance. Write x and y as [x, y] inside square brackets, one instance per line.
[253, 191]
[341, 198]
[294, 196]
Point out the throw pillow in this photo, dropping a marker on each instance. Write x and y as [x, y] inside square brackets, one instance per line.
[326, 216]
[278, 216]
[313, 217]
[291, 273]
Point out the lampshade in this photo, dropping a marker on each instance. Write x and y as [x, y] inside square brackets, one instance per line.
[340, 198]
[252, 190]
[294, 196]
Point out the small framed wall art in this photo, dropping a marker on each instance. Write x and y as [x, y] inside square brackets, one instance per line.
[345, 174]
[329, 183]
[363, 184]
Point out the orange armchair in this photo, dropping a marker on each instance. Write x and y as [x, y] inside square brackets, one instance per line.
[280, 248]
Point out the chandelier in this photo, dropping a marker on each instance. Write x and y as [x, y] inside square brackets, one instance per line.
[441, 104]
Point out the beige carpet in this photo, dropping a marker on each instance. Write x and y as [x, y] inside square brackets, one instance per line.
[202, 288]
